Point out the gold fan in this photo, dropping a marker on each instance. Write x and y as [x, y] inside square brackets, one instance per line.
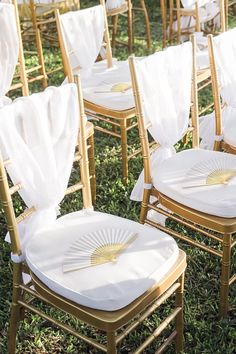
[211, 172]
[98, 247]
[120, 87]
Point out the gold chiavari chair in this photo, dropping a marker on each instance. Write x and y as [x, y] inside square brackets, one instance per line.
[122, 8]
[124, 295]
[228, 5]
[181, 19]
[11, 49]
[20, 77]
[106, 84]
[189, 184]
[218, 130]
[42, 19]
[127, 7]
[174, 31]
[35, 72]
[46, 9]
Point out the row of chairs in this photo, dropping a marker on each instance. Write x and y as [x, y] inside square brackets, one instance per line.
[115, 110]
[183, 185]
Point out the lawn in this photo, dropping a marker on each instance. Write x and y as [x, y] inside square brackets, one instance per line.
[204, 331]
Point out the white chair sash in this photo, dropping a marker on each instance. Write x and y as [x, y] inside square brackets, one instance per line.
[164, 80]
[9, 48]
[225, 56]
[83, 32]
[38, 133]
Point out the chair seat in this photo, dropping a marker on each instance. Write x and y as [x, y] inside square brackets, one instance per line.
[109, 286]
[98, 83]
[230, 130]
[174, 175]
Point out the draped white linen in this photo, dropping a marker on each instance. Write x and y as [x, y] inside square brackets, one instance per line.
[114, 4]
[164, 80]
[83, 31]
[225, 56]
[38, 133]
[208, 10]
[9, 49]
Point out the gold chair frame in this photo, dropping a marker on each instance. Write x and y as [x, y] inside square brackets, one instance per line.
[121, 120]
[40, 70]
[228, 4]
[108, 322]
[22, 76]
[176, 11]
[218, 145]
[223, 228]
[128, 7]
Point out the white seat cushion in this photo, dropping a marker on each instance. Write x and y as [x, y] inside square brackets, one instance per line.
[108, 286]
[97, 85]
[173, 174]
[230, 129]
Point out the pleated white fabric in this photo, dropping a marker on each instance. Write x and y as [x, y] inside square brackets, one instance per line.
[83, 31]
[165, 106]
[225, 56]
[9, 49]
[38, 133]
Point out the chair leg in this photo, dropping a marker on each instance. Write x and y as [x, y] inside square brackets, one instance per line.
[40, 58]
[92, 169]
[144, 206]
[179, 322]
[225, 275]
[111, 343]
[114, 20]
[130, 27]
[124, 150]
[16, 310]
[148, 32]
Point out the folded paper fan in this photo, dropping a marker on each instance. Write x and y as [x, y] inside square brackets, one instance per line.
[211, 172]
[121, 87]
[98, 247]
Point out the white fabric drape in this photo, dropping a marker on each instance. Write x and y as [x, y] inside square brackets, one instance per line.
[164, 80]
[83, 32]
[38, 133]
[208, 10]
[9, 48]
[225, 56]
[114, 4]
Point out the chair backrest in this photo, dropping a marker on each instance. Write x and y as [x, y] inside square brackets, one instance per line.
[163, 84]
[10, 46]
[82, 34]
[37, 150]
[202, 11]
[222, 55]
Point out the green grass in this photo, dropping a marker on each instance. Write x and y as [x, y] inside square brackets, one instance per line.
[204, 332]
